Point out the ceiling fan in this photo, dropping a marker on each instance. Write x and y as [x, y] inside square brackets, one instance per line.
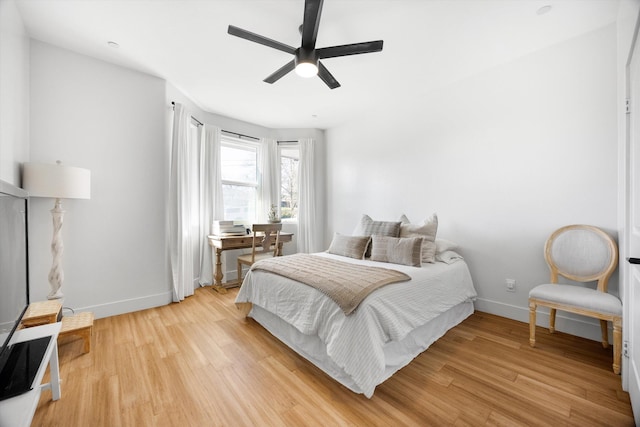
[306, 59]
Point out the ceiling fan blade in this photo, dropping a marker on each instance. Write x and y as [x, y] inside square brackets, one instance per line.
[310, 23]
[326, 76]
[257, 38]
[350, 49]
[288, 67]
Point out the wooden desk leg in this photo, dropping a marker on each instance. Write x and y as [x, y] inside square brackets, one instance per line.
[217, 278]
[279, 249]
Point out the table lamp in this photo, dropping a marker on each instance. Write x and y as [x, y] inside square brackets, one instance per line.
[59, 182]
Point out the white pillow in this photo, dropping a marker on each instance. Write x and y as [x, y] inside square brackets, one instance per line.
[448, 257]
[427, 230]
[443, 245]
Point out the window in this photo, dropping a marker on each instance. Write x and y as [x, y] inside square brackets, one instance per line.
[289, 160]
[239, 164]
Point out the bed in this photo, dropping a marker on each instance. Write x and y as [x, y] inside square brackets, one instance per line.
[388, 329]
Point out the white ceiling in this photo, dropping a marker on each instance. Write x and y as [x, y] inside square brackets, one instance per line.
[427, 44]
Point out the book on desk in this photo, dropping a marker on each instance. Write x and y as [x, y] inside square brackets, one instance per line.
[228, 228]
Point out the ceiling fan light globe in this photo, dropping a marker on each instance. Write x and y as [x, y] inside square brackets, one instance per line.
[306, 69]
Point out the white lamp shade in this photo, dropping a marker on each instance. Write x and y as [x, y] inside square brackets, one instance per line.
[57, 181]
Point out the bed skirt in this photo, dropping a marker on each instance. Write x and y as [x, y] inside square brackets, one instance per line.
[397, 353]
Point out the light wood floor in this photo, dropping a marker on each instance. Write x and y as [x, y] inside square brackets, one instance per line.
[199, 363]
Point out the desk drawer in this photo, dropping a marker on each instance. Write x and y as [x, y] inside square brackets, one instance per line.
[237, 243]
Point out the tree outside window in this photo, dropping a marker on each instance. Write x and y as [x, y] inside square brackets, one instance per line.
[289, 161]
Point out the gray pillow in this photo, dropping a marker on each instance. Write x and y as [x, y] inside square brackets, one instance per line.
[349, 246]
[397, 250]
[369, 227]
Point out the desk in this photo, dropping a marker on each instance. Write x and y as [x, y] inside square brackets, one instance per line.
[19, 410]
[224, 243]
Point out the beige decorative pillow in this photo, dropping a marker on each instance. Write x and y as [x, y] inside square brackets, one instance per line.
[427, 230]
[349, 246]
[369, 227]
[397, 250]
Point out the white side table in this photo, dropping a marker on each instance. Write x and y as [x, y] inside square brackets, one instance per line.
[19, 410]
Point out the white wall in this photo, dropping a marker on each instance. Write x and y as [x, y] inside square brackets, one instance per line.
[14, 92]
[504, 158]
[111, 120]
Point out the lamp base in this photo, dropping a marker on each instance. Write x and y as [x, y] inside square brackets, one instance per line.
[56, 275]
[56, 295]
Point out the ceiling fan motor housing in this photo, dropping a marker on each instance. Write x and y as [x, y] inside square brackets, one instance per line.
[309, 56]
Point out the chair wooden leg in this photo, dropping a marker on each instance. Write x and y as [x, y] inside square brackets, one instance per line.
[617, 344]
[532, 324]
[605, 333]
[239, 273]
[552, 320]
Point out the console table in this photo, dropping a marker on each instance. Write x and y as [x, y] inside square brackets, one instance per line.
[224, 243]
[19, 410]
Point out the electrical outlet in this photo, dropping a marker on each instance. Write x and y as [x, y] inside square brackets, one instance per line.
[510, 284]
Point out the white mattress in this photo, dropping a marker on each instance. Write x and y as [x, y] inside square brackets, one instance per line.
[391, 326]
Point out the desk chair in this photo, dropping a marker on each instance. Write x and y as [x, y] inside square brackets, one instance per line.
[261, 247]
[582, 253]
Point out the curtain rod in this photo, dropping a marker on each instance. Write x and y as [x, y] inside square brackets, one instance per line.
[239, 135]
[192, 118]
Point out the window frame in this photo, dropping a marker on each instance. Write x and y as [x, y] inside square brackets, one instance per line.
[248, 145]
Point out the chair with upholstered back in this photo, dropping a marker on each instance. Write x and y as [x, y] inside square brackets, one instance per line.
[266, 244]
[581, 253]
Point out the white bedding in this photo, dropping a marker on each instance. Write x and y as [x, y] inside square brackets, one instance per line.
[356, 344]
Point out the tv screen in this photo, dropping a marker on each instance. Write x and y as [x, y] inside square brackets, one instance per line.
[14, 275]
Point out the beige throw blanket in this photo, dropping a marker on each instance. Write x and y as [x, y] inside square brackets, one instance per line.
[345, 283]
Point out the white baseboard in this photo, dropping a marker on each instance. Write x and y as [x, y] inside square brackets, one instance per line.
[127, 306]
[581, 326]
[634, 390]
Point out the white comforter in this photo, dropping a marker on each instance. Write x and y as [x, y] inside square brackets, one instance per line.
[355, 342]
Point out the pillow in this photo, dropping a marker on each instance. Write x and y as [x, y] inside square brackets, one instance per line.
[448, 257]
[369, 227]
[397, 250]
[443, 245]
[349, 246]
[427, 230]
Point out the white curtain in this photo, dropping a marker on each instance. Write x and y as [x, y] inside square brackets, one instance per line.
[211, 202]
[309, 231]
[270, 178]
[181, 213]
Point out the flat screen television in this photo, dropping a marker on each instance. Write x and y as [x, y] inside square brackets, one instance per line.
[14, 268]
